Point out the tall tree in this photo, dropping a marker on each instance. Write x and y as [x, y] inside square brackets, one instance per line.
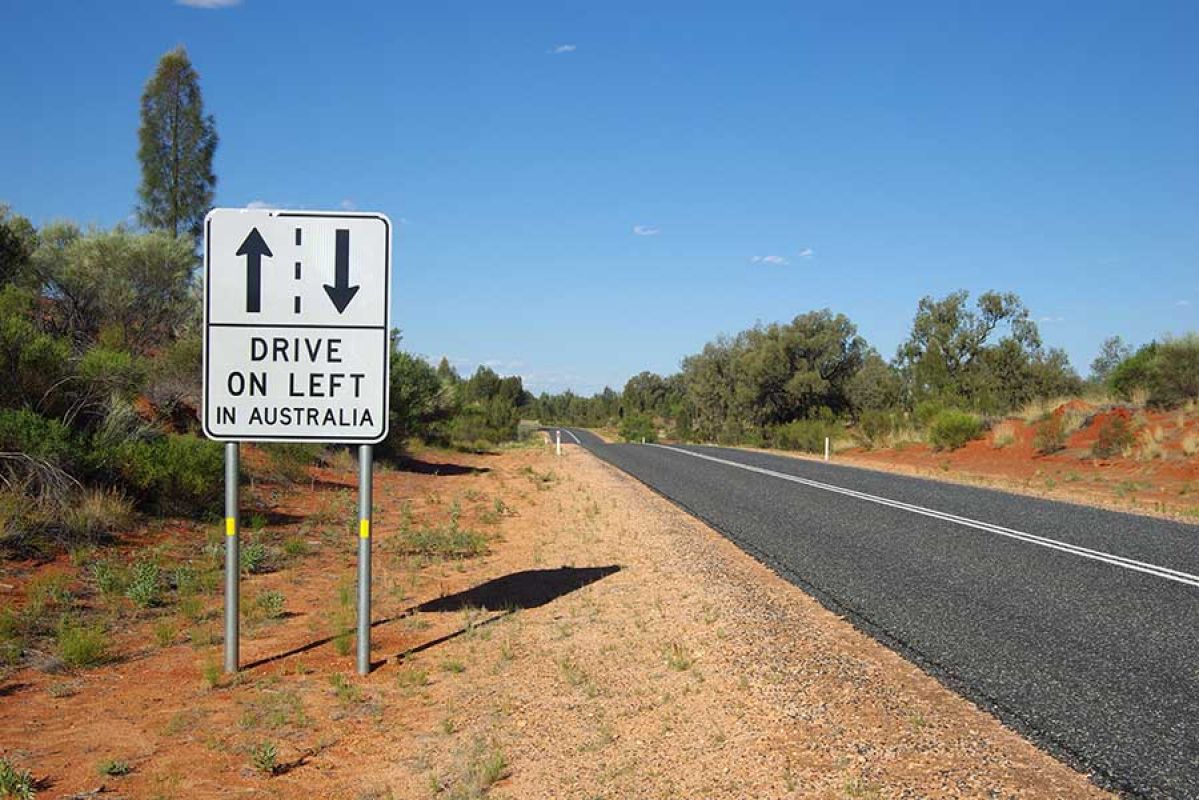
[1111, 353]
[176, 142]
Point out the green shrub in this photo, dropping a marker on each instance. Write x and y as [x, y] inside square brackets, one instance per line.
[32, 362]
[876, 427]
[926, 411]
[114, 768]
[12, 636]
[110, 580]
[1049, 435]
[1175, 377]
[81, 645]
[270, 603]
[16, 784]
[1114, 437]
[25, 431]
[806, 435]
[145, 584]
[636, 427]
[448, 542]
[264, 757]
[104, 371]
[1166, 372]
[252, 558]
[173, 474]
[951, 429]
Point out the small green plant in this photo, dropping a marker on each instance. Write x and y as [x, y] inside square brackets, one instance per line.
[636, 427]
[1049, 435]
[145, 584]
[453, 666]
[114, 768]
[16, 784]
[474, 773]
[191, 608]
[1115, 436]
[1003, 436]
[165, 632]
[274, 709]
[110, 579]
[678, 657]
[491, 769]
[79, 645]
[412, 678]
[345, 691]
[253, 558]
[212, 674]
[264, 758]
[448, 542]
[270, 603]
[295, 547]
[50, 590]
[952, 429]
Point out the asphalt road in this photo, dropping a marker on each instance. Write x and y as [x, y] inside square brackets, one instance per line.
[1077, 626]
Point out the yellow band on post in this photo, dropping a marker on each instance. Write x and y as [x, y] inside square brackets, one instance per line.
[364, 528]
[230, 526]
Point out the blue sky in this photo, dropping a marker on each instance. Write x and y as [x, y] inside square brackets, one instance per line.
[586, 190]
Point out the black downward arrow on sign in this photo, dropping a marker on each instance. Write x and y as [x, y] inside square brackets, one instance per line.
[254, 248]
[341, 293]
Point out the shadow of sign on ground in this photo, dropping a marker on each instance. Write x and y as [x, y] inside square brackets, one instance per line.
[504, 595]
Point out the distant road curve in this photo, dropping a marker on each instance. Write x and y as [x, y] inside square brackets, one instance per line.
[1077, 626]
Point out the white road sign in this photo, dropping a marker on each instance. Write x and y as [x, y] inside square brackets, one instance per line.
[296, 325]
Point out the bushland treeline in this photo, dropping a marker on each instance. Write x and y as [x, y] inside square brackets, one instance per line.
[791, 384]
[100, 355]
[100, 383]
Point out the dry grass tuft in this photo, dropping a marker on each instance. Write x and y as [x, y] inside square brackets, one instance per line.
[1003, 435]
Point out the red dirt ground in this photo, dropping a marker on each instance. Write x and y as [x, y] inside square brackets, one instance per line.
[1156, 475]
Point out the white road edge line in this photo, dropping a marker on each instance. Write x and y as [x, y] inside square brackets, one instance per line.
[571, 435]
[1065, 547]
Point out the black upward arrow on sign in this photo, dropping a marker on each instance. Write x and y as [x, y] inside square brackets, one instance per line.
[254, 248]
[341, 292]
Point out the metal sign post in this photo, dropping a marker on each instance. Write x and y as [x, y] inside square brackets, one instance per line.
[232, 558]
[366, 455]
[297, 325]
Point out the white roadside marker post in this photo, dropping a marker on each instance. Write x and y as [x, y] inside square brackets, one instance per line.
[558, 441]
[826, 448]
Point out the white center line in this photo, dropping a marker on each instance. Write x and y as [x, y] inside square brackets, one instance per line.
[1054, 544]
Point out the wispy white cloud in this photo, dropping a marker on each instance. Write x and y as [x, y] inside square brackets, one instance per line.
[1183, 303]
[646, 230]
[559, 49]
[348, 205]
[807, 252]
[258, 204]
[777, 260]
[208, 3]
[1052, 319]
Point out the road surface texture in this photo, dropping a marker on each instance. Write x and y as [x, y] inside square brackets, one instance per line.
[1077, 626]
